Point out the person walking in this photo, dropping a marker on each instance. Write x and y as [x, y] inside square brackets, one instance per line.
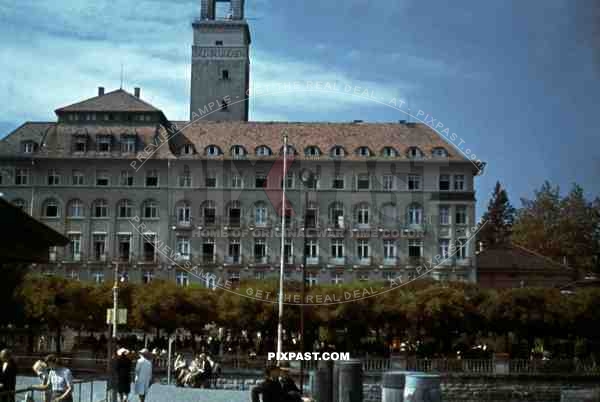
[143, 374]
[123, 367]
[40, 368]
[59, 381]
[8, 376]
[270, 389]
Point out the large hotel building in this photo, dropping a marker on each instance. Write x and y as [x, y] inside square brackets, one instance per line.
[165, 199]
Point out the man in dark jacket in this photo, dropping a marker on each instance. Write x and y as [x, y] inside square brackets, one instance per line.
[270, 389]
[8, 375]
[291, 391]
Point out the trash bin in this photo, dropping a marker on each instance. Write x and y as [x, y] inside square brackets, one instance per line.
[421, 387]
[347, 381]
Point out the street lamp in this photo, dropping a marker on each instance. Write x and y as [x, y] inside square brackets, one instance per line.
[308, 178]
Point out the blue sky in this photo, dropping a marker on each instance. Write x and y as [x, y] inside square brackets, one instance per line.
[518, 81]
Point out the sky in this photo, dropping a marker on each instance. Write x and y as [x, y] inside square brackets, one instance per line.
[517, 81]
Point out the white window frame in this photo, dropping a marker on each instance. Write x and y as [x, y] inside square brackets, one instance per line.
[77, 178]
[459, 182]
[103, 205]
[415, 243]
[415, 215]
[363, 214]
[445, 217]
[75, 209]
[128, 145]
[153, 205]
[390, 250]
[261, 215]
[184, 214]
[22, 176]
[182, 279]
[444, 248]
[237, 181]
[414, 180]
[183, 248]
[363, 249]
[75, 246]
[263, 151]
[152, 173]
[102, 174]
[463, 211]
[361, 178]
[388, 183]
[213, 150]
[446, 179]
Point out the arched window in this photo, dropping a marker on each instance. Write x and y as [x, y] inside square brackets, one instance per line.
[439, 152]
[389, 152]
[312, 151]
[260, 214]
[263, 150]
[415, 214]
[50, 208]
[414, 153]
[150, 209]
[125, 209]
[75, 209]
[311, 215]
[213, 150]
[234, 213]
[290, 150]
[363, 151]
[187, 149]
[337, 151]
[209, 212]
[336, 214]
[238, 151]
[362, 214]
[100, 209]
[184, 213]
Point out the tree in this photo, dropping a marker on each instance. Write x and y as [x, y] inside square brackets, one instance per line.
[560, 228]
[498, 219]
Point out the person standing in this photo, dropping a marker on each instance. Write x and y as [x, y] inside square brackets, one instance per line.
[290, 390]
[8, 375]
[270, 389]
[59, 381]
[143, 374]
[123, 374]
[40, 368]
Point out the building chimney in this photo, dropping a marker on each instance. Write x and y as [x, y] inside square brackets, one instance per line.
[136, 92]
[100, 91]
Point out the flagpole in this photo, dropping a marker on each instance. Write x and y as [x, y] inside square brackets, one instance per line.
[281, 267]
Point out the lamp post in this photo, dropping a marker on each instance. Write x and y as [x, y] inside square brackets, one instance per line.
[307, 177]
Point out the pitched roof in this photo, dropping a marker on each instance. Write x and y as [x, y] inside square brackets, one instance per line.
[350, 136]
[115, 101]
[511, 257]
[29, 131]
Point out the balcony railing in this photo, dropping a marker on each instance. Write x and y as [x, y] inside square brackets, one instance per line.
[337, 261]
[261, 260]
[390, 261]
[233, 259]
[363, 261]
[312, 260]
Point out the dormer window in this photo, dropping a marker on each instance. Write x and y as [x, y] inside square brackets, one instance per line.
[80, 144]
[27, 147]
[238, 151]
[363, 151]
[290, 150]
[312, 151]
[104, 143]
[337, 151]
[187, 149]
[90, 116]
[263, 151]
[414, 153]
[128, 145]
[389, 152]
[213, 150]
[440, 152]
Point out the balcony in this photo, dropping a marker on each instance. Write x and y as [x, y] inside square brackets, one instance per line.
[182, 223]
[362, 261]
[338, 261]
[261, 260]
[233, 260]
[463, 262]
[312, 260]
[390, 261]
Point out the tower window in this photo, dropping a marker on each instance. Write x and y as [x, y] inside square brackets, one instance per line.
[225, 74]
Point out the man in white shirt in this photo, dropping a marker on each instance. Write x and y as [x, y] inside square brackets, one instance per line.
[143, 374]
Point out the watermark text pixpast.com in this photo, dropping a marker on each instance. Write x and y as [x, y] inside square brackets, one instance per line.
[316, 356]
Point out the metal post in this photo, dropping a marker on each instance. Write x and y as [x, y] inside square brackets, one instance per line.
[281, 268]
[171, 339]
[303, 287]
[115, 302]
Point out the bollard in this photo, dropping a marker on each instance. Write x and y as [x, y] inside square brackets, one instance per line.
[323, 382]
[347, 381]
[421, 387]
[392, 386]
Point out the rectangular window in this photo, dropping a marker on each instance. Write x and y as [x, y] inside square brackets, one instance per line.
[461, 215]
[148, 277]
[22, 177]
[260, 251]
[104, 143]
[152, 178]
[102, 178]
[363, 182]
[185, 180]
[99, 243]
[234, 251]
[288, 251]
[311, 251]
[28, 147]
[311, 280]
[80, 144]
[98, 277]
[337, 248]
[75, 246]
[208, 251]
[338, 182]
[128, 145]
[183, 248]
[124, 247]
[388, 182]
[77, 178]
[53, 177]
[415, 248]
[362, 249]
[211, 181]
[461, 249]
[224, 74]
[182, 279]
[126, 178]
[148, 248]
[389, 250]
[444, 248]
[261, 180]
[236, 181]
[444, 182]
[444, 215]
[414, 182]
[459, 182]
